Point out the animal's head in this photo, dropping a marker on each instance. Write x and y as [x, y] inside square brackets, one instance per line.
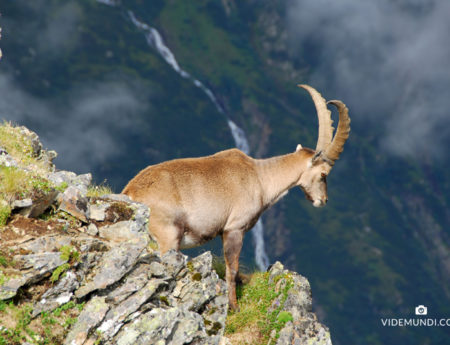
[313, 181]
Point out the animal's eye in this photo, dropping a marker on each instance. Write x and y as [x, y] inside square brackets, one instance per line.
[323, 175]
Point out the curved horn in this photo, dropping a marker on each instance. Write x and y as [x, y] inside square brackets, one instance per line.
[324, 115]
[343, 129]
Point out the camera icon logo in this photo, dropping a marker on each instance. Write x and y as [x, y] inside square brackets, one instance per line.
[421, 310]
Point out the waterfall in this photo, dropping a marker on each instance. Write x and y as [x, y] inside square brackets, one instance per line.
[155, 41]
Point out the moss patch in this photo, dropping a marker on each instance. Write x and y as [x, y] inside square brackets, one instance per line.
[197, 276]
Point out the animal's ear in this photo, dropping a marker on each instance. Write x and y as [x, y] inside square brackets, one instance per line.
[299, 147]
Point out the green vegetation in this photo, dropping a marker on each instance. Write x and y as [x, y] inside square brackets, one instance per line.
[256, 315]
[4, 261]
[153, 245]
[47, 328]
[69, 254]
[99, 334]
[14, 182]
[16, 144]
[27, 180]
[96, 191]
[5, 212]
[3, 278]
[19, 184]
[284, 317]
[58, 272]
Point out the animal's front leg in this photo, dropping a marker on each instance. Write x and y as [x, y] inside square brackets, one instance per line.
[232, 244]
[167, 235]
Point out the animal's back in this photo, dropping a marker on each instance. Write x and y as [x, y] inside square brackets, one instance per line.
[176, 176]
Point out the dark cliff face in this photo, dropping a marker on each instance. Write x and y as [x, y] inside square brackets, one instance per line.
[84, 77]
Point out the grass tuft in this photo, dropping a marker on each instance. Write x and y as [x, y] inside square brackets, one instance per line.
[95, 191]
[256, 316]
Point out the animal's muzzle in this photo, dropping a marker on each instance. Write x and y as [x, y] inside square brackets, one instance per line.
[320, 202]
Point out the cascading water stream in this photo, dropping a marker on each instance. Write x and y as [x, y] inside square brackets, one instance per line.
[155, 40]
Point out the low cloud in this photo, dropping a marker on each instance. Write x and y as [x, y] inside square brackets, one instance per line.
[85, 129]
[60, 31]
[53, 28]
[389, 60]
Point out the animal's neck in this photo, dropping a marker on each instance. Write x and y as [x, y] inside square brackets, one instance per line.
[279, 174]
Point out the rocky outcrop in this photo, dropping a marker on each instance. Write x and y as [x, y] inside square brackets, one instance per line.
[304, 327]
[131, 294]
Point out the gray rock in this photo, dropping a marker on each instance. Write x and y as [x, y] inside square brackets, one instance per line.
[59, 294]
[39, 205]
[49, 243]
[198, 286]
[92, 315]
[174, 262]
[304, 329]
[156, 269]
[135, 228]
[97, 211]
[173, 326]
[81, 182]
[89, 244]
[21, 203]
[47, 158]
[34, 266]
[62, 176]
[276, 270]
[112, 267]
[115, 318]
[10, 287]
[7, 161]
[41, 263]
[92, 229]
[33, 138]
[74, 202]
[122, 231]
[132, 283]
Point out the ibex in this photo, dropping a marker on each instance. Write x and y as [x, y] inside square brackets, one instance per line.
[193, 200]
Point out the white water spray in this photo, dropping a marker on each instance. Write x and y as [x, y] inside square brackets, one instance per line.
[155, 40]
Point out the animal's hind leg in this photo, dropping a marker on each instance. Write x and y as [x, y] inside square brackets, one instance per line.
[232, 245]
